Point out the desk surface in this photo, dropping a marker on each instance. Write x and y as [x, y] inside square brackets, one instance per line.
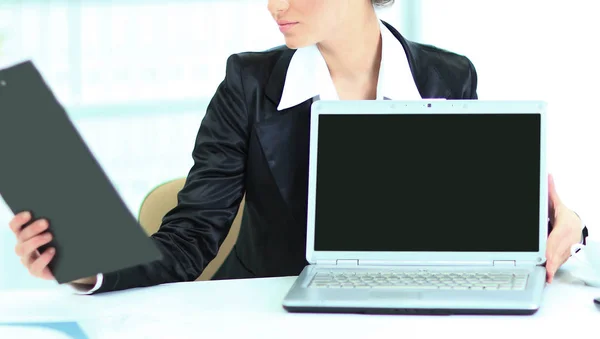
[252, 308]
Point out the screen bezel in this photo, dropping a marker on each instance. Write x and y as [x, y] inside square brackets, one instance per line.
[426, 107]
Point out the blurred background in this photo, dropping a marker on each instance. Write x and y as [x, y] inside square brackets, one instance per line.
[136, 77]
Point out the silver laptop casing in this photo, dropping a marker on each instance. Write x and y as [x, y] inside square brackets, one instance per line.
[303, 299]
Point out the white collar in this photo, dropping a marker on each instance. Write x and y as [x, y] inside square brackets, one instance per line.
[308, 75]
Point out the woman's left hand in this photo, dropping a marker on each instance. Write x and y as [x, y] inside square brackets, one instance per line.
[566, 231]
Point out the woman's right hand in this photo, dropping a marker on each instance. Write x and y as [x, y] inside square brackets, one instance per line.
[29, 240]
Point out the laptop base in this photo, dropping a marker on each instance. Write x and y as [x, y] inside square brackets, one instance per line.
[412, 300]
[408, 311]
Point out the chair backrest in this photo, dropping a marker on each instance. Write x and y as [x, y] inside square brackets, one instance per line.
[162, 199]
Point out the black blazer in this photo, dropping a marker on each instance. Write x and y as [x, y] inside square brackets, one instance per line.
[245, 146]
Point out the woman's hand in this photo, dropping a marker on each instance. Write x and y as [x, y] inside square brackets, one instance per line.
[566, 231]
[29, 240]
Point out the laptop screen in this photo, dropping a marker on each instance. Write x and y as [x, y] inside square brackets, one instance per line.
[439, 182]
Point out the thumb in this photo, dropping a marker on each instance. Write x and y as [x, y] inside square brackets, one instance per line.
[554, 200]
[550, 269]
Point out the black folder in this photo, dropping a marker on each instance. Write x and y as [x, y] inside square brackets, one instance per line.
[46, 168]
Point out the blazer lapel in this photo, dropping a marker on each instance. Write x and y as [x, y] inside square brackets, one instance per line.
[419, 73]
[274, 87]
[284, 139]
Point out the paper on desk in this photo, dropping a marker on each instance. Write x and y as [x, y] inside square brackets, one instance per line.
[14, 332]
[48, 330]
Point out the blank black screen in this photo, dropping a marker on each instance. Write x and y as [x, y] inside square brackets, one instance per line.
[447, 182]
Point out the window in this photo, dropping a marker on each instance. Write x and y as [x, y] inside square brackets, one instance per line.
[135, 77]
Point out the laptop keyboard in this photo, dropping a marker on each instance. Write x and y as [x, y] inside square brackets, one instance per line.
[417, 280]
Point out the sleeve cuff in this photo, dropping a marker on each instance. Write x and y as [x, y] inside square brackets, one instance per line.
[583, 229]
[83, 289]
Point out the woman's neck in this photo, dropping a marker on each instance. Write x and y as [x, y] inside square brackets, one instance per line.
[354, 51]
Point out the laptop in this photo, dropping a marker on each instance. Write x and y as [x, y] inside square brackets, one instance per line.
[425, 207]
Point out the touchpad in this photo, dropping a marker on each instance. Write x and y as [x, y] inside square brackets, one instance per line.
[403, 295]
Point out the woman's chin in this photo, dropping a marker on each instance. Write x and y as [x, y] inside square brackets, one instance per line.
[294, 43]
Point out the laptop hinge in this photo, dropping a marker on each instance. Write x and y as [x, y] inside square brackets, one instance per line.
[346, 262]
[505, 263]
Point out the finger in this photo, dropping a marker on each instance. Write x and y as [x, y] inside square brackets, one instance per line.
[25, 249]
[557, 253]
[552, 266]
[550, 270]
[39, 268]
[556, 262]
[552, 194]
[32, 230]
[18, 221]
[27, 260]
[47, 274]
[551, 247]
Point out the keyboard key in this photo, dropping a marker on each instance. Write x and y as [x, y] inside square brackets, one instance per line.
[420, 280]
[487, 281]
[494, 286]
[320, 285]
[408, 287]
[321, 280]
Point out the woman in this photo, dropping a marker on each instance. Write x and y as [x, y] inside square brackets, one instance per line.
[254, 141]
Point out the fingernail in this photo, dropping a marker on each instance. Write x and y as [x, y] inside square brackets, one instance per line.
[51, 251]
[26, 215]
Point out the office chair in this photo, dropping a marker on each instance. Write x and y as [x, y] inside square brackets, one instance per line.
[162, 199]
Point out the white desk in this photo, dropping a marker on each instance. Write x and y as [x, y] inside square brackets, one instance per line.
[252, 309]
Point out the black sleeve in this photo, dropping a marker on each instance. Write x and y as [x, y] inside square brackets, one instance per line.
[584, 232]
[470, 91]
[191, 234]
